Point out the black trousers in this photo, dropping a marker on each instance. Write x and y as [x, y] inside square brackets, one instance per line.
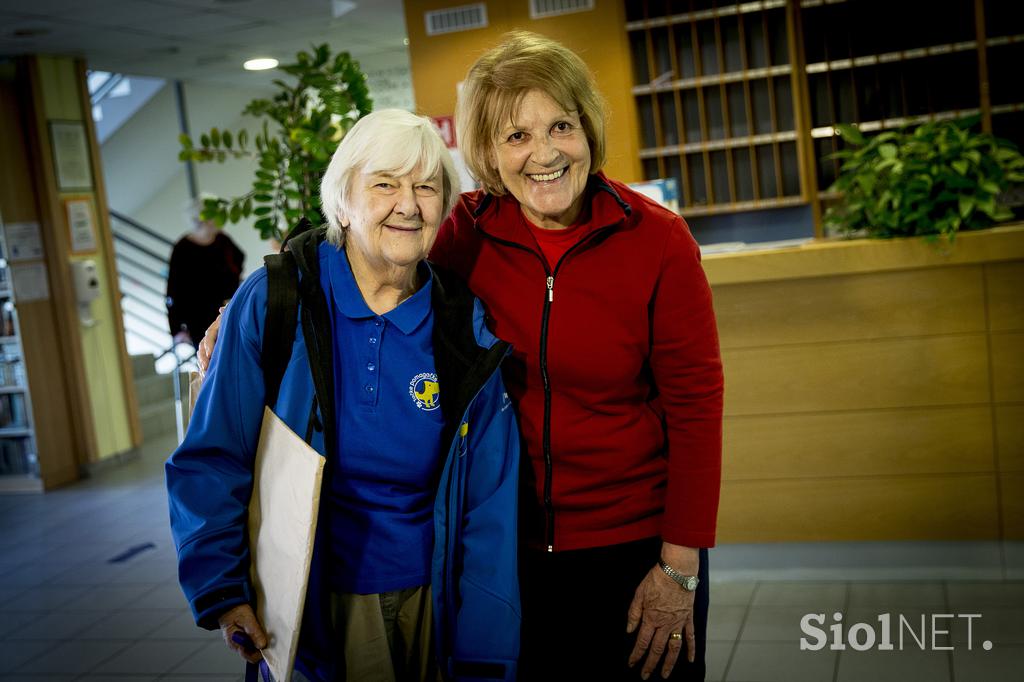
[575, 607]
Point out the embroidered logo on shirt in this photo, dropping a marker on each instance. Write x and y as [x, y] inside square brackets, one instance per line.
[424, 391]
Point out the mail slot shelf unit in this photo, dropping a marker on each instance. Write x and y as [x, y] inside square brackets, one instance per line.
[714, 93]
[738, 101]
[18, 461]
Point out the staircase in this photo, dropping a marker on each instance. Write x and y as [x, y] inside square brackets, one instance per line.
[155, 394]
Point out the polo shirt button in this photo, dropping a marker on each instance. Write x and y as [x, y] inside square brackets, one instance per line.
[373, 339]
[369, 388]
[370, 366]
[377, 322]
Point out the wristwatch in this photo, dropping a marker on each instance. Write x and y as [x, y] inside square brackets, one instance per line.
[687, 582]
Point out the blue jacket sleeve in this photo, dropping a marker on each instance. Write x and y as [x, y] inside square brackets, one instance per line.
[209, 476]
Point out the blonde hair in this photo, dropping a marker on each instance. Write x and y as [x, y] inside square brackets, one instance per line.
[386, 141]
[494, 89]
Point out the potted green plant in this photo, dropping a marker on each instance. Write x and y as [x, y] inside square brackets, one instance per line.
[934, 179]
[302, 126]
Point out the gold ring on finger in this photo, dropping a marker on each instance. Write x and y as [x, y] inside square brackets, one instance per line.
[676, 635]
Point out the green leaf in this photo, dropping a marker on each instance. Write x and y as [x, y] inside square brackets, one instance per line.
[262, 210]
[887, 151]
[185, 141]
[966, 204]
[989, 186]
[226, 137]
[215, 137]
[960, 166]
[850, 133]
[204, 140]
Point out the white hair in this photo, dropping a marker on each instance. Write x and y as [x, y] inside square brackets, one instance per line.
[390, 141]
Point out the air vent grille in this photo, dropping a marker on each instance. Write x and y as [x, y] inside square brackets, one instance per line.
[452, 19]
[540, 9]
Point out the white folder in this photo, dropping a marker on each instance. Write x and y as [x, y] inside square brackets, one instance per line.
[282, 526]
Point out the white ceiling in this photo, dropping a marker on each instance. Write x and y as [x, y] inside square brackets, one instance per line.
[202, 40]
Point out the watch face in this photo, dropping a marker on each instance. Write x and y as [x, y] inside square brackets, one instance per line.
[690, 584]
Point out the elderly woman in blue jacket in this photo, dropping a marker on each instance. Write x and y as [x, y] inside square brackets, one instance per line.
[415, 558]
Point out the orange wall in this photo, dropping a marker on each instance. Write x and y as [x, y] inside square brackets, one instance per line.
[598, 36]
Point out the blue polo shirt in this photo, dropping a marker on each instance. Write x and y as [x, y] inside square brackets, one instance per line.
[389, 431]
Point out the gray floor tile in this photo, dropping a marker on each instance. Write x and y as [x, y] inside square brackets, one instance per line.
[89, 573]
[149, 657]
[814, 595]
[777, 624]
[43, 598]
[14, 654]
[724, 622]
[11, 621]
[889, 595]
[32, 574]
[55, 625]
[1000, 626]
[122, 678]
[201, 678]
[109, 598]
[893, 666]
[183, 626]
[968, 597]
[779, 662]
[998, 665]
[906, 625]
[127, 624]
[166, 596]
[215, 657]
[716, 656]
[71, 658]
[9, 593]
[731, 593]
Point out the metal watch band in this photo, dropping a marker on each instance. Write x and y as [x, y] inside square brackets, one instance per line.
[687, 582]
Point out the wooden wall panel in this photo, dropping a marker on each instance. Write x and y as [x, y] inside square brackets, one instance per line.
[1012, 496]
[1010, 437]
[1005, 282]
[1008, 367]
[869, 306]
[938, 370]
[884, 442]
[854, 509]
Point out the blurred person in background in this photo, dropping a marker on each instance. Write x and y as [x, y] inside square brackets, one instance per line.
[204, 273]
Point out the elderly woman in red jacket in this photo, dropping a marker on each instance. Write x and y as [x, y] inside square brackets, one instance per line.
[616, 373]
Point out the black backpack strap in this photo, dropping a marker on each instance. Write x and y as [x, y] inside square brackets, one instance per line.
[316, 327]
[282, 316]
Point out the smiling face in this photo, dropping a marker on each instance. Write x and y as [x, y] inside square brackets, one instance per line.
[543, 158]
[392, 220]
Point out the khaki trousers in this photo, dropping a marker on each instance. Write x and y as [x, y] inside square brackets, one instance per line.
[384, 637]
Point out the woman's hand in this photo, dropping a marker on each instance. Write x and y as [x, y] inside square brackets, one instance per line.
[205, 351]
[239, 625]
[660, 608]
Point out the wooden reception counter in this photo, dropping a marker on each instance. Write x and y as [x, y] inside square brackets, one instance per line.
[874, 389]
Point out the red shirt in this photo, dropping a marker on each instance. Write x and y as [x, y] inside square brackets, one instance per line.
[615, 371]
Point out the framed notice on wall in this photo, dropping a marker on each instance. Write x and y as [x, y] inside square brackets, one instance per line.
[70, 155]
[81, 224]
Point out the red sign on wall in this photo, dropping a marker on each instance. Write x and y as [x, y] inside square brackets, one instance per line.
[446, 126]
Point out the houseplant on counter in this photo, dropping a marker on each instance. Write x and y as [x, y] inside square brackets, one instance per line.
[935, 179]
[302, 126]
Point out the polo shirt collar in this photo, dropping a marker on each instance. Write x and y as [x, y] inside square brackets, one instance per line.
[409, 314]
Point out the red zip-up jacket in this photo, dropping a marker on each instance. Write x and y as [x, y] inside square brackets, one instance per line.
[615, 372]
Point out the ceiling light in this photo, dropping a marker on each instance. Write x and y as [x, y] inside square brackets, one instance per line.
[405, 41]
[260, 64]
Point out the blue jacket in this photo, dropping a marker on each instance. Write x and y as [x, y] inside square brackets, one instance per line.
[474, 574]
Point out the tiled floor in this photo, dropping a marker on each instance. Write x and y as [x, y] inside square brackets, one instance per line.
[68, 613]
